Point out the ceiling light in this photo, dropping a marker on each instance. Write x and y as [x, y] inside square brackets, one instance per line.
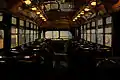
[73, 19]
[82, 12]
[41, 15]
[27, 2]
[34, 8]
[86, 9]
[93, 3]
[78, 16]
[43, 18]
[38, 13]
[90, 13]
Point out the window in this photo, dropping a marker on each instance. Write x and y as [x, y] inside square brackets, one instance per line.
[35, 35]
[100, 22]
[93, 36]
[48, 34]
[21, 36]
[1, 39]
[42, 35]
[55, 34]
[21, 23]
[85, 36]
[100, 36]
[88, 35]
[65, 35]
[31, 36]
[27, 24]
[108, 31]
[14, 37]
[1, 17]
[14, 20]
[27, 36]
[82, 36]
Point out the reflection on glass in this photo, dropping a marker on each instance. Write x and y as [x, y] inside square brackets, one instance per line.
[1, 39]
[108, 40]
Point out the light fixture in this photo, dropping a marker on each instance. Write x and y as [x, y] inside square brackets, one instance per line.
[41, 15]
[93, 3]
[87, 9]
[89, 13]
[34, 8]
[75, 18]
[82, 12]
[43, 18]
[27, 2]
[78, 15]
[38, 13]
[26, 57]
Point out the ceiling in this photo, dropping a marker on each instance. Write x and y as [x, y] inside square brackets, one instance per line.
[59, 13]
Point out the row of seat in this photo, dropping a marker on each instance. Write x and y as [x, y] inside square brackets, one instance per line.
[29, 62]
[88, 60]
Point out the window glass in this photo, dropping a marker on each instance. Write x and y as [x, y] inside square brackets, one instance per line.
[14, 37]
[1, 39]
